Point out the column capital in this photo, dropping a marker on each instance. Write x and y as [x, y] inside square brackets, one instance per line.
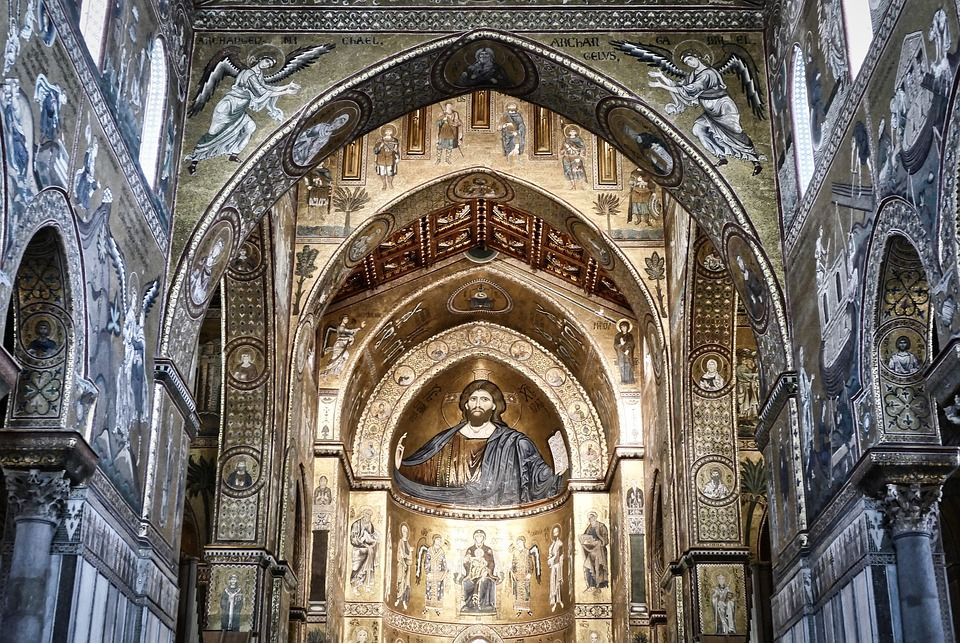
[911, 508]
[36, 494]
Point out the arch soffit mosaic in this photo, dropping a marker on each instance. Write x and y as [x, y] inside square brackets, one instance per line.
[468, 341]
[51, 209]
[895, 217]
[258, 184]
[363, 349]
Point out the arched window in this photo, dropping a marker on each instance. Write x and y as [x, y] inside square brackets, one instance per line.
[93, 25]
[153, 113]
[858, 26]
[802, 131]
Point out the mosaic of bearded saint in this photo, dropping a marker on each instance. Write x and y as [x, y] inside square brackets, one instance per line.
[480, 462]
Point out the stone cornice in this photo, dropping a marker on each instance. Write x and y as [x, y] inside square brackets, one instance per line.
[782, 390]
[48, 450]
[452, 19]
[173, 383]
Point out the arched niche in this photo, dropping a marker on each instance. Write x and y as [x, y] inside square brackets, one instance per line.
[43, 249]
[380, 421]
[899, 245]
[382, 94]
[578, 350]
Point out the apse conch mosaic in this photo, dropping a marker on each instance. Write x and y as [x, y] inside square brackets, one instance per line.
[482, 461]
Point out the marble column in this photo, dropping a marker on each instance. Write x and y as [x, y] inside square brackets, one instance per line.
[912, 512]
[37, 500]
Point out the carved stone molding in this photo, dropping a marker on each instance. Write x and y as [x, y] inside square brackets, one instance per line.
[37, 495]
[782, 390]
[173, 383]
[48, 450]
[912, 508]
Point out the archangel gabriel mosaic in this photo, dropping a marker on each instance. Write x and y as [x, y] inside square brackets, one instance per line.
[482, 461]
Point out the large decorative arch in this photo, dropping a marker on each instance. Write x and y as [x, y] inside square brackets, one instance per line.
[610, 420]
[379, 419]
[601, 105]
[51, 210]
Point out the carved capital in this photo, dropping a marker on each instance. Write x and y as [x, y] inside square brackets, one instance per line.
[37, 495]
[911, 508]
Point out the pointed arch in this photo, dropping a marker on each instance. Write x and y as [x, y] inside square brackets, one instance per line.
[900, 267]
[268, 173]
[46, 231]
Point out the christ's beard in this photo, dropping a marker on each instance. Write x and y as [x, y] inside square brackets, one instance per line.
[476, 417]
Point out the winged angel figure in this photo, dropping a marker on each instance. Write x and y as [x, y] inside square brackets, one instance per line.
[128, 314]
[718, 127]
[231, 126]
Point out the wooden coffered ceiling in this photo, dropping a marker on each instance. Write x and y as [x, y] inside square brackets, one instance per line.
[484, 224]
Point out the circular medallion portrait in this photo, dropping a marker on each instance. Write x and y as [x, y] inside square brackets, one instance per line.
[209, 263]
[902, 352]
[327, 130]
[748, 278]
[245, 363]
[438, 350]
[521, 350]
[240, 472]
[710, 372]
[42, 336]
[478, 336]
[593, 242]
[404, 375]
[485, 64]
[248, 259]
[709, 260]
[479, 185]
[641, 141]
[368, 238]
[555, 377]
[715, 481]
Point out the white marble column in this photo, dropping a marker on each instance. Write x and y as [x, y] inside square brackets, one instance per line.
[36, 503]
[912, 510]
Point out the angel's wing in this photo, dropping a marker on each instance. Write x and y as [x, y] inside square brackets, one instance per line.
[326, 338]
[150, 295]
[652, 55]
[225, 63]
[535, 553]
[739, 62]
[421, 554]
[116, 258]
[296, 60]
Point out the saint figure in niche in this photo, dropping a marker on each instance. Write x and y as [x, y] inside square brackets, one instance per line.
[231, 604]
[480, 462]
[594, 541]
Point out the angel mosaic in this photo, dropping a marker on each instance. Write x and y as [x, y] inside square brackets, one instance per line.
[524, 567]
[718, 127]
[344, 336]
[253, 90]
[128, 314]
